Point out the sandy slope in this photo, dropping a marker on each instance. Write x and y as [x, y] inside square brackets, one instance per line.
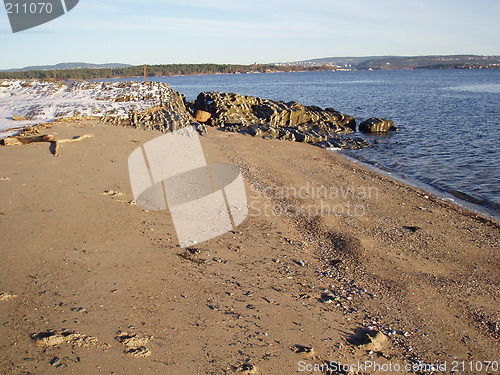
[122, 298]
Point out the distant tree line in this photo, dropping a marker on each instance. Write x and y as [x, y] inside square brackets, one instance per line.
[154, 71]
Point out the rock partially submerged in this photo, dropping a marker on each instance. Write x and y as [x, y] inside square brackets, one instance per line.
[377, 125]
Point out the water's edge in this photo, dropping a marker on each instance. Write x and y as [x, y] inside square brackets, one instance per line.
[444, 195]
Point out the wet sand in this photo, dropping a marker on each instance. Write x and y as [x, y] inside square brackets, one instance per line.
[330, 252]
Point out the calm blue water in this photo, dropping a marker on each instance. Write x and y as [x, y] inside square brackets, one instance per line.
[449, 120]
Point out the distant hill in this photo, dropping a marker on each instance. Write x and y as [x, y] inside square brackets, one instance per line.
[340, 61]
[405, 62]
[79, 70]
[71, 65]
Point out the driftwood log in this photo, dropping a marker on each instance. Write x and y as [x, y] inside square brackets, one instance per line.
[54, 143]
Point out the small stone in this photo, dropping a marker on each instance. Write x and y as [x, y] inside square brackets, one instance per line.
[79, 309]
[202, 116]
[327, 298]
[56, 362]
[411, 228]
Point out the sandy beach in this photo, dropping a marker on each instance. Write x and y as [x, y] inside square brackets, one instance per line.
[335, 264]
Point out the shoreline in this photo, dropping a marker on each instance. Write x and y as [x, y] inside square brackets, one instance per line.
[489, 213]
[297, 281]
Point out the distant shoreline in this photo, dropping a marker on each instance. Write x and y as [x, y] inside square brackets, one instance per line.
[329, 69]
[83, 71]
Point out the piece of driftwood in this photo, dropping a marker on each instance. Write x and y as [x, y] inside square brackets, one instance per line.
[75, 139]
[13, 141]
[54, 143]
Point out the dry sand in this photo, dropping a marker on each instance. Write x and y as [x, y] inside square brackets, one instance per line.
[91, 284]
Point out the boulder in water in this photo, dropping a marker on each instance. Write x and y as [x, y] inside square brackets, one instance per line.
[377, 125]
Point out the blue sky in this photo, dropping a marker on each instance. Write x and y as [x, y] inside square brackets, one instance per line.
[225, 31]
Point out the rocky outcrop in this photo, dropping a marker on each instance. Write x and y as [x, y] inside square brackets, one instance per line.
[156, 106]
[276, 119]
[170, 114]
[228, 109]
[251, 115]
[158, 118]
[377, 125]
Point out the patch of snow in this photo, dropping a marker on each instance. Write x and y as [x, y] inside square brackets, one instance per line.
[36, 102]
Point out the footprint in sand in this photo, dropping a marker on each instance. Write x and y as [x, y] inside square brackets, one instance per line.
[247, 369]
[134, 344]
[6, 296]
[112, 193]
[55, 338]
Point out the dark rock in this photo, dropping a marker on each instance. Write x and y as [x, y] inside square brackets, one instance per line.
[344, 143]
[56, 362]
[411, 228]
[230, 109]
[270, 119]
[375, 125]
[201, 128]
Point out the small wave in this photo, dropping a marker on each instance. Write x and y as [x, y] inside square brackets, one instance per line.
[471, 199]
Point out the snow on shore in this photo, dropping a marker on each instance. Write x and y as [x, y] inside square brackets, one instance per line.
[26, 102]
